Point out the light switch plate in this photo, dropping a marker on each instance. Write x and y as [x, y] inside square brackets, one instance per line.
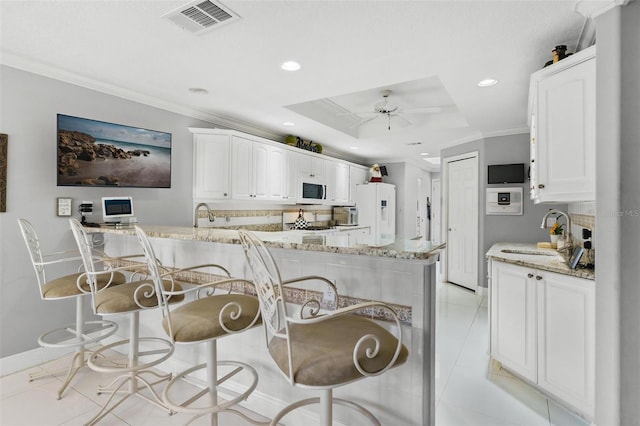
[64, 206]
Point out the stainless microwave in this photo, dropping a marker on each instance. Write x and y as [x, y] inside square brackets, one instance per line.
[311, 190]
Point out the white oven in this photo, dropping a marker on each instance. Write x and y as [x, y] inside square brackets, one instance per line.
[311, 190]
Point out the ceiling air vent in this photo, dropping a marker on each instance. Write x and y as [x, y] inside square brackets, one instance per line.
[200, 16]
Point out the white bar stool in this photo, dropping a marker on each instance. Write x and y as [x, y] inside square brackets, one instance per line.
[81, 334]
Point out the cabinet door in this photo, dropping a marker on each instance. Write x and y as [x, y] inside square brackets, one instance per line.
[277, 173]
[310, 165]
[566, 339]
[513, 318]
[291, 176]
[261, 173]
[337, 182]
[357, 176]
[242, 169]
[565, 161]
[210, 167]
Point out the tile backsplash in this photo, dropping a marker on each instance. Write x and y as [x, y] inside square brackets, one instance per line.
[583, 215]
[262, 220]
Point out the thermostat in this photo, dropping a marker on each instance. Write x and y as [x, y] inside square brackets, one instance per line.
[504, 201]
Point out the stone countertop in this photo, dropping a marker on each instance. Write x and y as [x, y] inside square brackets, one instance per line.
[553, 262]
[379, 246]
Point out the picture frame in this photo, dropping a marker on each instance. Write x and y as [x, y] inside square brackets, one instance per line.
[99, 153]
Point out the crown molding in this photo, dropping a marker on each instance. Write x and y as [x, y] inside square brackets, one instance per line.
[19, 62]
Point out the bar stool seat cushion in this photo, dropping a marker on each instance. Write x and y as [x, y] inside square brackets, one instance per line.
[67, 286]
[198, 320]
[322, 353]
[121, 299]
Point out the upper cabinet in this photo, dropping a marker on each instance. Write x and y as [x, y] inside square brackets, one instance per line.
[211, 156]
[337, 182]
[357, 176]
[562, 112]
[311, 166]
[230, 165]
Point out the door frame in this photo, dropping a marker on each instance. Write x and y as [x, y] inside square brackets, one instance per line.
[445, 210]
[436, 205]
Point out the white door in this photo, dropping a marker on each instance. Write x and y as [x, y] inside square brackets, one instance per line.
[436, 221]
[462, 222]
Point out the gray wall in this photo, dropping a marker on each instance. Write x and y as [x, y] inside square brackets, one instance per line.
[405, 177]
[630, 225]
[618, 216]
[28, 107]
[492, 229]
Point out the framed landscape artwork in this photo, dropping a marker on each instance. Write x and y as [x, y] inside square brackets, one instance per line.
[97, 153]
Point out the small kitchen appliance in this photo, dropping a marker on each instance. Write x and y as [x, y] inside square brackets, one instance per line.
[345, 216]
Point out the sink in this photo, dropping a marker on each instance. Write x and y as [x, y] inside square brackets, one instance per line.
[528, 252]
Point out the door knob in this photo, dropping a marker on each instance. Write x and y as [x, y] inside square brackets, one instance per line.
[541, 186]
[530, 275]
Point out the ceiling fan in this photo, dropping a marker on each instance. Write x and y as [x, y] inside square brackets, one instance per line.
[386, 108]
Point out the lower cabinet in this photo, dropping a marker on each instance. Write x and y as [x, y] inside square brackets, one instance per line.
[543, 329]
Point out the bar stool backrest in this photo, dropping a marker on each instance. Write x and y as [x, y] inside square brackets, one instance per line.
[38, 260]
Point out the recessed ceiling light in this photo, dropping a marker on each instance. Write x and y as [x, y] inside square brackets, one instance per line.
[198, 90]
[354, 147]
[424, 153]
[289, 124]
[290, 66]
[432, 160]
[488, 82]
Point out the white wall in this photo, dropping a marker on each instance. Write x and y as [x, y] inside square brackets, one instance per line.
[28, 107]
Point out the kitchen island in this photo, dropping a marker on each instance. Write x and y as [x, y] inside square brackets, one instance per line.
[400, 273]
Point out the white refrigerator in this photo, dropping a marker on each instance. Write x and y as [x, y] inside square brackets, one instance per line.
[376, 203]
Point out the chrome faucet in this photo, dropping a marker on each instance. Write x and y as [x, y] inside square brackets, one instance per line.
[568, 241]
[210, 214]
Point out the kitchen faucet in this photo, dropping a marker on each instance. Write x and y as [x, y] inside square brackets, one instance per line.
[210, 214]
[567, 235]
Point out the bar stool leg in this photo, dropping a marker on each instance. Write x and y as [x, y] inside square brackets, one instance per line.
[212, 377]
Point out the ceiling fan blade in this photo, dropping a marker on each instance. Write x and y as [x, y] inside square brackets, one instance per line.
[422, 110]
[356, 113]
[366, 120]
[399, 120]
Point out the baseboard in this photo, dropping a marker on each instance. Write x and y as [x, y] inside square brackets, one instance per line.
[482, 291]
[29, 359]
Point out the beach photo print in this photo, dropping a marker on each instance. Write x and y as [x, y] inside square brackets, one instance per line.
[97, 153]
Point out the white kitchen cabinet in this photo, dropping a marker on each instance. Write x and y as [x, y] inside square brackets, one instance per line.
[310, 165]
[231, 165]
[562, 120]
[211, 155]
[337, 182]
[543, 329]
[242, 169]
[566, 339]
[258, 170]
[357, 175]
[513, 319]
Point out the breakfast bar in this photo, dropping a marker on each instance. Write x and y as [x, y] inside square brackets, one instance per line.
[395, 271]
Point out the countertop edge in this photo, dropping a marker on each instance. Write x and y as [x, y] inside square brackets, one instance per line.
[230, 237]
[555, 264]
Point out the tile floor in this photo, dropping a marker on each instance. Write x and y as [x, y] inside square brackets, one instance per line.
[469, 389]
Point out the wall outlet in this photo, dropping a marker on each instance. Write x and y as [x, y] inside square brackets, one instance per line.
[329, 294]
